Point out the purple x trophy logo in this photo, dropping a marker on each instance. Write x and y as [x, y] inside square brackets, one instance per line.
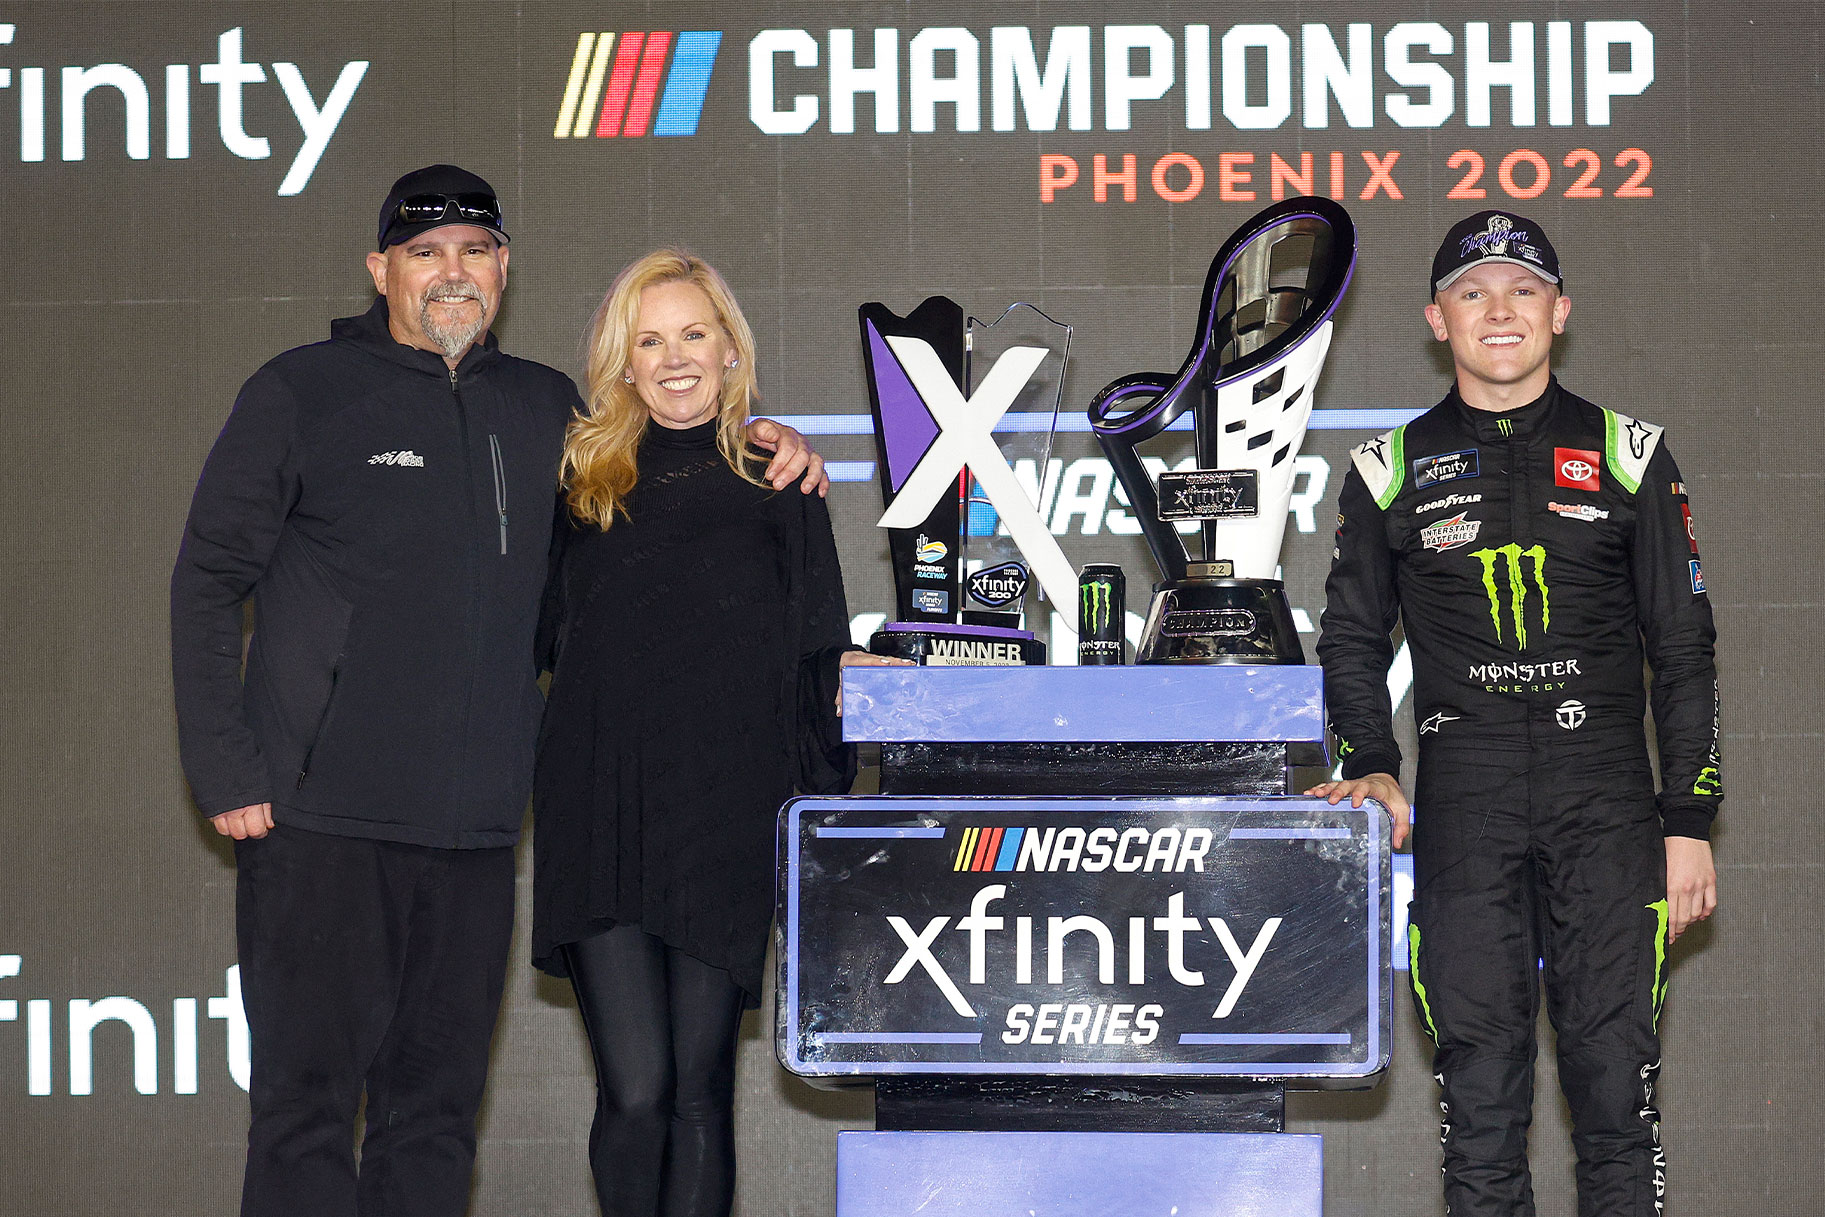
[946, 484]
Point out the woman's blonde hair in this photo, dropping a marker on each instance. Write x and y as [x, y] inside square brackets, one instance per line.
[598, 470]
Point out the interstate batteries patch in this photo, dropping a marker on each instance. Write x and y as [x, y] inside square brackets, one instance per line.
[1449, 534]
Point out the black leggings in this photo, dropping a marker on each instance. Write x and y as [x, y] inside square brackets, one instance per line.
[662, 1027]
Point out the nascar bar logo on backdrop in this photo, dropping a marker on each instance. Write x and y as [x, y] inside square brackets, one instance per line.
[617, 81]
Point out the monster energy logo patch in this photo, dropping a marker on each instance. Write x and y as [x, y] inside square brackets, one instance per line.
[1515, 560]
[1097, 601]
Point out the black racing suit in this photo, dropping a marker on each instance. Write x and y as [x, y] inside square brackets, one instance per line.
[1530, 555]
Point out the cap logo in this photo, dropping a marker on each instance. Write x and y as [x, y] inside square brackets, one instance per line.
[1493, 240]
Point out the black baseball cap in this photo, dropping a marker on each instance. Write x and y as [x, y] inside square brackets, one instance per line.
[433, 197]
[1493, 236]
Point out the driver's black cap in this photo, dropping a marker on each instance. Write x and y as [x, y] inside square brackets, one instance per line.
[1493, 236]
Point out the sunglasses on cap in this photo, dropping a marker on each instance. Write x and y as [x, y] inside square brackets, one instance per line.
[483, 209]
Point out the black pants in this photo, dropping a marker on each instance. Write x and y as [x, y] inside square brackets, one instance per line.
[376, 966]
[1521, 857]
[662, 1027]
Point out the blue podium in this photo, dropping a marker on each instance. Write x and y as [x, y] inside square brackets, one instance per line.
[1083, 941]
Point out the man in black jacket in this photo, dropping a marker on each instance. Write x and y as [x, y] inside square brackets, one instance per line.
[1530, 543]
[385, 499]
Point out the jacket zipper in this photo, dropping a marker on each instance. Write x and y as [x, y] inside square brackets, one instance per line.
[304, 766]
[476, 574]
[500, 486]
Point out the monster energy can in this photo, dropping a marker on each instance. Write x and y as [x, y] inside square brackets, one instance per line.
[1102, 614]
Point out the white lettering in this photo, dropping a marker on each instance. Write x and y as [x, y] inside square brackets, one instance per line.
[1441, 90]
[228, 73]
[1482, 75]
[1245, 962]
[1197, 79]
[1327, 73]
[1121, 87]
[318, 123]
[918, 951]
[962, 89]
[177, 112]
[183, 1045]
[1014, 69]
[1311, 476]
[86, 1015]
[1175, 924]
[78, 83]
[977, 925]
[1099, 850]
[1276, 48]
[762, 110]
[1197, 843]
[1131, 836]
[882, 81]
[1059, 928]
[1601, 82]
[1559, 73]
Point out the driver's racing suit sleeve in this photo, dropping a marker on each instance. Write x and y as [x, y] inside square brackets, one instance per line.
[1355, 644]
[1679, 640]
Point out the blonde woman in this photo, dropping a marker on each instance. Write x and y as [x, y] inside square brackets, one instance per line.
[698, 623]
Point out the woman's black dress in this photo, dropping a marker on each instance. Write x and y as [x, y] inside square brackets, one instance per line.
[695, 651]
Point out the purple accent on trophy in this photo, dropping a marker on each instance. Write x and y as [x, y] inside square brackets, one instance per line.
[907, 427]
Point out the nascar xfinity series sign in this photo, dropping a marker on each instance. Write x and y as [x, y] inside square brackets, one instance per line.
[1184, 936]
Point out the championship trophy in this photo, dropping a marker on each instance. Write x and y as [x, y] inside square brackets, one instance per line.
[997, 575]
[1263, 330]
[945, 483]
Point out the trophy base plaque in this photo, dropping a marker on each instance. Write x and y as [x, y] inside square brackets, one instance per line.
[958, 646]
[1210, 616]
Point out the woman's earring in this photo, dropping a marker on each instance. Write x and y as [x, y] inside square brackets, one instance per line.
[628, 377]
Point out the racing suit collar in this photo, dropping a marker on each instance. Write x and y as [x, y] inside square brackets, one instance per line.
[369, 331]
[1499, 427]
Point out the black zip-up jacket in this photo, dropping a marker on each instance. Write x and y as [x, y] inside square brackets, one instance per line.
[390, 520]
[1531, 554]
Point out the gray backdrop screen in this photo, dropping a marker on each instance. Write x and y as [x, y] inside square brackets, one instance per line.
[189, 188]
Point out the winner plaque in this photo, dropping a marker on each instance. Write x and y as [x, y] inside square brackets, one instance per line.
[1263, 331]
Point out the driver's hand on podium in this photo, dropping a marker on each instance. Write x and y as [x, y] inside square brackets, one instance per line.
[244, 823]
[866, 659]
[1384, 787]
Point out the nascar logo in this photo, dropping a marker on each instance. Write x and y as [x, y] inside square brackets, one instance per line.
[617, 81]
[1073, 849]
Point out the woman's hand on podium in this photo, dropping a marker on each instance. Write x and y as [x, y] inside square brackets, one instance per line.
[1384, 787]
[866, 659]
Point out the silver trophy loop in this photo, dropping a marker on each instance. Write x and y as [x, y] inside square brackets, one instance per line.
[1263, 331]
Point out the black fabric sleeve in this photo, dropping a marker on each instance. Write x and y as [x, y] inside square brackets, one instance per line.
[550, 630]
[1680, 641]
[826, 765]
[248, 487]
[1355, 644]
